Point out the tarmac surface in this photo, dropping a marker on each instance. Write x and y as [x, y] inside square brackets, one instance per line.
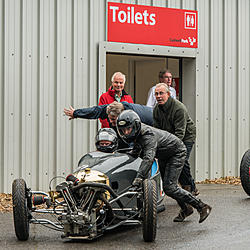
[228, 227]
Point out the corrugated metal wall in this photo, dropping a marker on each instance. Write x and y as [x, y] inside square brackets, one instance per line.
[49, 60]
[223, 93]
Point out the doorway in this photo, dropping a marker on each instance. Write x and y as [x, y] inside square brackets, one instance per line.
[133, 58]
[142, 73]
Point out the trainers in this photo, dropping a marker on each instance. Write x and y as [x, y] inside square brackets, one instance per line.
[183, 214]
[204, 212]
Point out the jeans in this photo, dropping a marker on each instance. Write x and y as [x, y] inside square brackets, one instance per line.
[186, 178]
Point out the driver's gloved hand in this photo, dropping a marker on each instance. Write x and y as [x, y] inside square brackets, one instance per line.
[137, 182]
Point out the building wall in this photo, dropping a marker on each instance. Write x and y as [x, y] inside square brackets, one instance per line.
[49, 60]
[222, 88]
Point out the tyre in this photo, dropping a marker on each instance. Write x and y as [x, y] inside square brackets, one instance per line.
[20, 209]
[245, 171]
[149, 210]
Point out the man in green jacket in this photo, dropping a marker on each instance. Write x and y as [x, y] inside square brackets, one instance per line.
[171, 115]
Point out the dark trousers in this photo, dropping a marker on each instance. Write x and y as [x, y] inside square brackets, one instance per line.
[170, 170]
[186, 178]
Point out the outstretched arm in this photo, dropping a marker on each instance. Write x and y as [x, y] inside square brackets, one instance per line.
[87, 113]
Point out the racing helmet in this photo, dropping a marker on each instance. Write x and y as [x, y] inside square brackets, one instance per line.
[128, 125]
[106, 134]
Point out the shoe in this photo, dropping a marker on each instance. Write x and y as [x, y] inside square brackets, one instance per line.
[204, 212]
[183, 214]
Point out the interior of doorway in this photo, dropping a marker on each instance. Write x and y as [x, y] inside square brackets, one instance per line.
[142, 73]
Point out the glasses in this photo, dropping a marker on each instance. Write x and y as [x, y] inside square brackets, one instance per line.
[160, 93]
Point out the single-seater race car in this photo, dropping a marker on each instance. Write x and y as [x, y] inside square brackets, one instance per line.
[245, 172]
[97, 197]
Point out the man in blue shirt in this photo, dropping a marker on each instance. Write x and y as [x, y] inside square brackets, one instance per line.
[111, 112]
[145, 113]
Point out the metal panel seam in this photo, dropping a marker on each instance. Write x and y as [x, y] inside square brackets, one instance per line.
[55, 82]
[224, 89]
[209, 81]
[38, 92]
[237, 77]
[249, 74]
[2, 69]
[72, 82]
[89, 68]
[21, 88]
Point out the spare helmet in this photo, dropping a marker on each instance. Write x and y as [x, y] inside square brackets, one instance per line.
[106, 134]
[128, 125]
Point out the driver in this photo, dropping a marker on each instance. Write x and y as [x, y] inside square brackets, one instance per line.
[106, 140]
[171, 154]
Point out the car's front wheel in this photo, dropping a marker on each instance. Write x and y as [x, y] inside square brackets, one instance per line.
[20, 209]
[149, 210]
[245, 171]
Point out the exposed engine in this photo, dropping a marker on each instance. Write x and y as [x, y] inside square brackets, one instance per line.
[85, 208]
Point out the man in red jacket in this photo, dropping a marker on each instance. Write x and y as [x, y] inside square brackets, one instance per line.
[116, 92]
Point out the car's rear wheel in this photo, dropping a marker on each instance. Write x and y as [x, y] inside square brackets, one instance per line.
[245, 171]
[149, 210]
[20, 209]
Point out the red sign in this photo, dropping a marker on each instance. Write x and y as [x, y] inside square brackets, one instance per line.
[129, 23]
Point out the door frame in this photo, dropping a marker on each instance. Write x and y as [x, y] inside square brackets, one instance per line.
[188, 70]
[136, 49]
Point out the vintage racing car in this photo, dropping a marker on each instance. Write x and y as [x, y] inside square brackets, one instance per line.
[96, 198]
[245, 171]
